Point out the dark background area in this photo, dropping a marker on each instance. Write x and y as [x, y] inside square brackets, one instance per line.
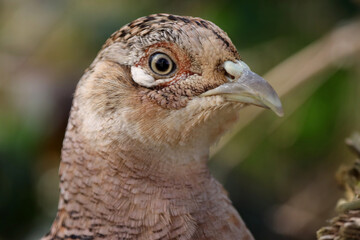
[279, 172]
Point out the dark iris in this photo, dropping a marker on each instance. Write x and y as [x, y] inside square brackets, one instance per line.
[162, 64]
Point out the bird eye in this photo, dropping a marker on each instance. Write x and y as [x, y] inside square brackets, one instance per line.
[161, 64]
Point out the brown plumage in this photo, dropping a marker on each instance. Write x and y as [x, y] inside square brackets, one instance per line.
[161, 91]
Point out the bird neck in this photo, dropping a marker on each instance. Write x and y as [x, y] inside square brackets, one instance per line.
[114, 186]
[109, 191]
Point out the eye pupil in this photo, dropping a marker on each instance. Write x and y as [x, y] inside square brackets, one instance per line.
[162, 65]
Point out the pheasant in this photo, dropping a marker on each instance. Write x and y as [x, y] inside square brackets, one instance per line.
[160, 92]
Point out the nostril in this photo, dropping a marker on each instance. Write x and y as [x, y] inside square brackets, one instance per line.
[228, 75]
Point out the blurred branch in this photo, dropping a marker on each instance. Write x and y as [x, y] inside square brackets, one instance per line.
[327, 53]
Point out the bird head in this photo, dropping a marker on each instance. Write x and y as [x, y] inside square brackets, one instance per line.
[167, 82]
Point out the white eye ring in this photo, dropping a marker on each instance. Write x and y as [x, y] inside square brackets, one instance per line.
[141, 77]
[161, 64]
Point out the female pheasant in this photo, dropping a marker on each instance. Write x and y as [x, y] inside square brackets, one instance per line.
[161, 91]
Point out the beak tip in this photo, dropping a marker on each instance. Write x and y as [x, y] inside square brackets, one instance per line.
[279, 111]
[277, 107]
[273, 102]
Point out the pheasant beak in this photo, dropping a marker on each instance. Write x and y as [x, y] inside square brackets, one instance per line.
[247, 87]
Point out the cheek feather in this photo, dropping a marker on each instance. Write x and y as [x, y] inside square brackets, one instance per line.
[165, 99]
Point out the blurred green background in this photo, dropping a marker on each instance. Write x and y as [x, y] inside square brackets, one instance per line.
[279, 172]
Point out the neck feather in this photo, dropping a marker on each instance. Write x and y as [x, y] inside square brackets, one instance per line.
[109, 191]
